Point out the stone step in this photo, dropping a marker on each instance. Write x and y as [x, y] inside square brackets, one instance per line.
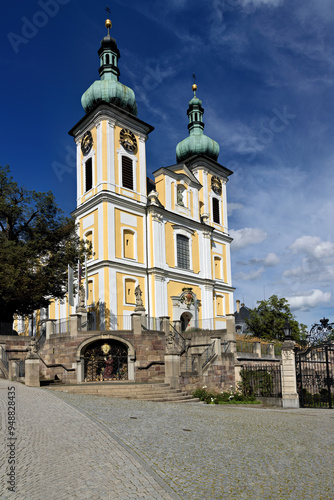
[143, 392]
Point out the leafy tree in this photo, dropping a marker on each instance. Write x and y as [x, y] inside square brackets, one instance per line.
[268, 318]
[37, 242]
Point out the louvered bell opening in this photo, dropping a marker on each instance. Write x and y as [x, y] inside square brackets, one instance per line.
[89, 174]
[127, 173]
[215, 211]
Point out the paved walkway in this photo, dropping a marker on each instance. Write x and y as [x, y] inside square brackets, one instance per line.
[88, 447]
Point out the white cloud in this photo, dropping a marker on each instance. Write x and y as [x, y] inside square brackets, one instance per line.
[247, 236]
[309, 300]
[312, 245]
[253, 275]
[233, 206]
[270, 260]
[311, 270]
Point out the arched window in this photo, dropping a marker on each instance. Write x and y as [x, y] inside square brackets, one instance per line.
[182, 243]
[88, 174]
[129, 289]
[107, 59]
[128, 244]
[217, 268]
[215, 210]
[127, 172]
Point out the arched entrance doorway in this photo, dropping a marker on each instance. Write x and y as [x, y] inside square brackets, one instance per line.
[105, 360]
[185, 321]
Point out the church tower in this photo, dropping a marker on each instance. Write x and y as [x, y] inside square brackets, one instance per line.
[111, 190]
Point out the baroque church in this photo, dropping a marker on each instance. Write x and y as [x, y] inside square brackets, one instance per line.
[169, 237]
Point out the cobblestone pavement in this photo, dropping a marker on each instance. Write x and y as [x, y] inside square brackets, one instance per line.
[61, 454]
[79, 446]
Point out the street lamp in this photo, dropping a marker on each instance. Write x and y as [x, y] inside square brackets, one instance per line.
[287, 330]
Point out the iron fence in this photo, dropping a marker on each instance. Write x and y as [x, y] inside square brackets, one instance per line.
[40, 341]
[4, 357]
[21, 368]
[261, 380]
[151, 323]
[61, 326]
[109, 324]
[208, 354]
[226, 346]
[244, 346]
[315, 376]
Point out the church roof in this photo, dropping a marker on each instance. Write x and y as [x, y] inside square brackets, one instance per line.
[109, 89]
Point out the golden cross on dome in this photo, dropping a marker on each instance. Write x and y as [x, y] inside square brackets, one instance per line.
[108, 23]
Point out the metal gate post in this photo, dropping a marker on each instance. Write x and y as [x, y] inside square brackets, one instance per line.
[328, 378]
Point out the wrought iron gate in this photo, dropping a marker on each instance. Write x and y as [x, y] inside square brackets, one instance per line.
[315, 376]
[106, 360]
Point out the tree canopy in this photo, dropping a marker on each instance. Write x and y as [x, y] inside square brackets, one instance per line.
[37, 242]
[268, 318]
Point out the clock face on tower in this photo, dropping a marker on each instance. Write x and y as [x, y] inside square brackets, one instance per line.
[86, 143]
[128, 140]
[216, 185]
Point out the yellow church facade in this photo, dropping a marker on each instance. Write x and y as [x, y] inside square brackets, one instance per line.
[168, 235]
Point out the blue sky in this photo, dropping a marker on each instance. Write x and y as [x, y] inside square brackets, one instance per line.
[265, 74]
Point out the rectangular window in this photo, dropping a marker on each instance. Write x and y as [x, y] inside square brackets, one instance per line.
[89, 174]
[127, 173]
[182, 243]
[215, 210]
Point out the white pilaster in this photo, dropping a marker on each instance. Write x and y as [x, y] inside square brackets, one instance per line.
[99, 154]
[142, 168]
[111, 155]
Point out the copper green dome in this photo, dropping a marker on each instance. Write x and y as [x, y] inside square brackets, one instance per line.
[108, 88]
[197, 143]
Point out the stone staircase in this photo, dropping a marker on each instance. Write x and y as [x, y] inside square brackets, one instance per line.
[128, 390]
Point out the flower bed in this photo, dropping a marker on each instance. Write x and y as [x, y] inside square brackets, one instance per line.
[224, 397]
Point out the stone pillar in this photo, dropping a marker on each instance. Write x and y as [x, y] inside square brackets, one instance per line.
[49, 323]
[80, 370]
[198, 364]
[230, 327]
[232, 347]
[32, 366]
[32, 372]
[165, 324]
[84, 321]
[75, 324]
[136, 322]
[257, 349]
[12, 369]
[218, 347]
[177, 325]
[172, 370]
[290, 397]
[271, 350]
[131, 367]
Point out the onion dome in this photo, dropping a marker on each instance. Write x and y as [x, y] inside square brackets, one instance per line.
[108, 88]
[197, 143]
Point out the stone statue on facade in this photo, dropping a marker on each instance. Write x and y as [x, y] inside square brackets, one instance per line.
[180, 197]
[139, 300]
[32, 349]
[82, 296]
